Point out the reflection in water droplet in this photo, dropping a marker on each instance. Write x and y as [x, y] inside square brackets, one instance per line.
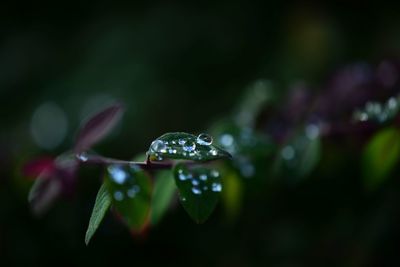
[216, 187]
[117, 174]
[312, 131]
[288, 153]
[189, 146]
[158, 146]
[83, 157]
[181, 142]
[195, 182]
[204, 139]
[226, 140]
[196, 190]
[213, 152]
[203, 177]
[118, 196]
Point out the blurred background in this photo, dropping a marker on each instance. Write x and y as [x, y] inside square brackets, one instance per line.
[180, 66]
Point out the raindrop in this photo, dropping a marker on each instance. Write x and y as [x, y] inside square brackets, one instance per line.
[118, 196]
[83, 157]
[213, 152]
[226, 140]
[189, 146]
[133, 191]
[181, 142]
[118, 175]
[195, 182]
[158, 146]
[216, 187]
[204, 139]
[183, 199]
[182, 177]
[215, 173]
[196, 190]
[288, 153]
[203, 177]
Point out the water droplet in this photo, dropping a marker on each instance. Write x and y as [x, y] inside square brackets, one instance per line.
[118, 196]
[195, 182]
[182, 177]
[83, 156]
[183, 199]
[214, 173]
[203, 177]
[189, 146]
[117, 174]
[216, 187]
[213, 152]
[226, 140]
[392, 103]
[288, 153]
[158, 146]
[133, 191]
[196, 190]
[312, 131]
[181, 142]
[204, 139]
[173, 142]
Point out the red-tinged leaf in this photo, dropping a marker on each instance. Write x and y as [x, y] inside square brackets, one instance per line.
[44, 192]
[35, 167]
[97, 127]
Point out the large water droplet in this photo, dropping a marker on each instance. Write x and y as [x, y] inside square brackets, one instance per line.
[118, 196]
[189, 146]
[216, 187]
[204, 139]
[196, 190]
[158, 146]
[117, 174]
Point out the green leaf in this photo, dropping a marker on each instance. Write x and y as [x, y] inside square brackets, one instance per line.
[164, 188]
[130, 190]
[380, 156]
[101, 206]
[199, 190]
[186, 147]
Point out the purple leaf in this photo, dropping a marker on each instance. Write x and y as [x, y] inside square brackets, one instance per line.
[97, 127]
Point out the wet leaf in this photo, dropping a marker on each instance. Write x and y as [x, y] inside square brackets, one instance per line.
[130, 190]
[186, 147]
[380, 157]
[101, 206]
[199, 189]
[163, 193]
[97, 127]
